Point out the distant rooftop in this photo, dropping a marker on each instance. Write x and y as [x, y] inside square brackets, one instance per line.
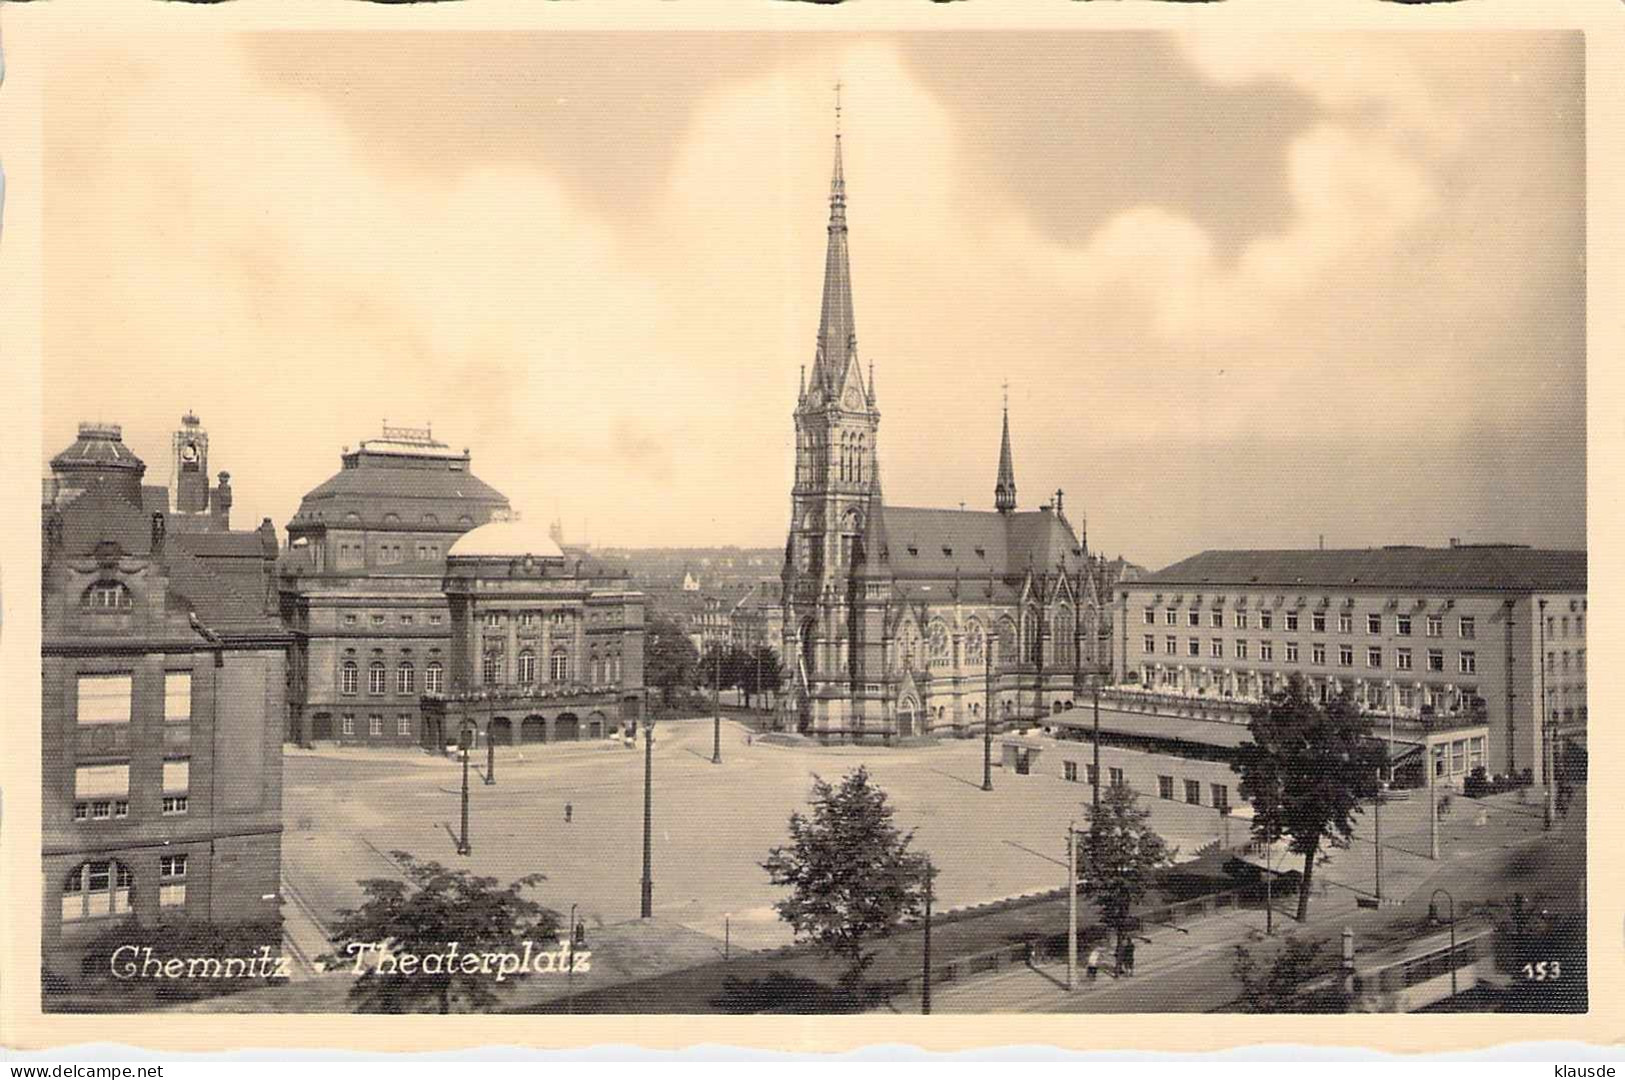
[406, 442]
[1475, 567]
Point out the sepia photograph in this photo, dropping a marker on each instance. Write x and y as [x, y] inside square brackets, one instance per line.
[756, 523]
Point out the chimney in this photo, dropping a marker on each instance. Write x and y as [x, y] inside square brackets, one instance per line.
[268, 541]
[222, 500]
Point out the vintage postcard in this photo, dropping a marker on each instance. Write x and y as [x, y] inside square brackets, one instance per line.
[937, 519]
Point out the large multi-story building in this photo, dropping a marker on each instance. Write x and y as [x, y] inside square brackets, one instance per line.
[1432, 636]
[544, 646]
[363, 587]
[163, 700]
[902, 620]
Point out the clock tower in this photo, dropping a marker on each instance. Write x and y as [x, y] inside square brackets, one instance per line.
[189, 482]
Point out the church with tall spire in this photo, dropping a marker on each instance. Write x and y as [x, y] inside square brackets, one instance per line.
[908, 621]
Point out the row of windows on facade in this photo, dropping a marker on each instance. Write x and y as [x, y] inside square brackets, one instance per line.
[1220, 793]
[103, 888]
[378, 618]
[813, 457]
[939, 644]
[600, 669]
[375, 724]
[495, 620]
[388, 554]
[1451, 697]
[1241, 649]
[1466, 625]
[434, 678]
[1558, 626]
[101, 792]
[107, 698]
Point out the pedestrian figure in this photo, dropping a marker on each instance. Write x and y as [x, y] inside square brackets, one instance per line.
[1092, 962]
[568, 810]
[1128, 957]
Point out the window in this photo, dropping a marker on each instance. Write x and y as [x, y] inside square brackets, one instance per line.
[1402, 659]
[375, 724]
[104, 699]
[1150, 616]
[1241, 620]
[527, 667]
[1171, 617]
[177, 776]
[1373, 657]
[559, 665]
[175, 804]
[101, 792]
[1435, 626]
[1475, 752]
[348, 724]
[1402, 625]
[560, 618]
[1115, 775]
[434, 620]
[1150, 643]
[1407, 697]
[1193, 618]
[1292, 620]
[403, 725]
[1165, 787]
[1458, 756]
[407, 620]
[351, 619]
[1469, 661]
[1216, 620]
[172, 881]
[1466, 627]
[1292, 652]
[1345, 655]
[1435, 659]
[1069, 770]
[377, 681]
[1221, 796]
[347, 677]
[177, 695]
[106, 596]
[491, 668]
[377, 620]
[1345, 622]
[492, 620]
[1266, 650]
[432, 677]
[96, 890]
[1317, 653]
[1194, 646]
[1266, 620]
[1317, 622]
[1172, 644]
[1241, 649]
[405, 679]
[1216, 648]
[1193, 792]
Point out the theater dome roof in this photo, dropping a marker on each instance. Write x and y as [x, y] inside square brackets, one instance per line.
[506, 540]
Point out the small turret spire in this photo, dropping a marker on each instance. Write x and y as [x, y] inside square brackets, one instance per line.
[1004, 489]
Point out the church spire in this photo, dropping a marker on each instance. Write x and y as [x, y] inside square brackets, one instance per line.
[1004, 489]
[837, 330]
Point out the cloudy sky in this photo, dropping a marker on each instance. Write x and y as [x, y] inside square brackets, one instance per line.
[1245, 291]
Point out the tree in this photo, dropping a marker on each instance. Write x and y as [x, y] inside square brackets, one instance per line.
[423, 915]
[761, 671]
[851, 875]
[669, 659]
[1306, 771]
[1279, 988]
[1119, 857]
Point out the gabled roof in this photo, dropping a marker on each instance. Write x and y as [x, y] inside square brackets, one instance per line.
[1471, 567]
[99, 515]
[925, 542]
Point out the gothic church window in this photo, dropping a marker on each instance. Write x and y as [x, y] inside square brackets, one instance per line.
[974, 644]
[941, 647]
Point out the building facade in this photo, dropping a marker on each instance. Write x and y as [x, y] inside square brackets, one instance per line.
[362, 587]
[544, 646]
[163, 664]
[900, 621]
[1436, 637]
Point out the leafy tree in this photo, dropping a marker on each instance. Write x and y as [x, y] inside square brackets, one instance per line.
[1119, 857]
[669, 658]
[423, 915]
[1306, 771]
[1279, 987]
[761, 672]
[851, 875]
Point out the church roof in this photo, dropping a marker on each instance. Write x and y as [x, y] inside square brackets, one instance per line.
[927, 542]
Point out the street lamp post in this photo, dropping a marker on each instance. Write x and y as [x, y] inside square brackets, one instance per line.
[1433, 800]
[648, 906]
[467, 741]
[1545, 711]
[1094, 797]
[490, 758]
[1433, 917]
[716, 701]
[570, 963]
[1071, 906]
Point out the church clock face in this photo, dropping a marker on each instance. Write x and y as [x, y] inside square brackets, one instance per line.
[189, 453]
[854, 400]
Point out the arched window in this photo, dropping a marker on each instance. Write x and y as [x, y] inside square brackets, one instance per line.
[348, 674]
[939, 644]
[527, 667]
[433, 677]
[908, 647]
[1063, 638]
[97, 890]
[1007, 653]
[559, 665]
[405, 679]
[1029, 636]
[975, 644]
[377, 682]
[106, 596]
